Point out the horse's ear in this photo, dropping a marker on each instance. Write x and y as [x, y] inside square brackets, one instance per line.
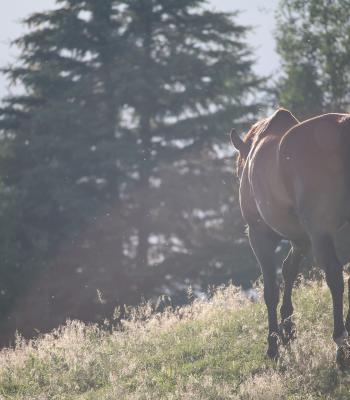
[238, 144]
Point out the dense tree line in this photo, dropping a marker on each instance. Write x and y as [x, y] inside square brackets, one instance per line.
[122, 114]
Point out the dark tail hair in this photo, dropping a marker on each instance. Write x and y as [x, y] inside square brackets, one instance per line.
[344, 123]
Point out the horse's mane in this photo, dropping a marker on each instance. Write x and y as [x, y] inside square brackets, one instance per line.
[277, 124]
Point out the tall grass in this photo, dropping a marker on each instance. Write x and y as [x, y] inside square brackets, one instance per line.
[208, 350]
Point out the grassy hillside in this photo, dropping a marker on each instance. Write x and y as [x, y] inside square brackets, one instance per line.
[209, 350]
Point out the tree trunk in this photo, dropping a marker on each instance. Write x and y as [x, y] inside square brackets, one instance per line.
[111, 111]
[145, 172]
[146, 165]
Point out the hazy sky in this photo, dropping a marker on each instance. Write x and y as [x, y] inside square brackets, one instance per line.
[257, 13]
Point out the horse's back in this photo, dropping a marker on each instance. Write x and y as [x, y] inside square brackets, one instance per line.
[313, 159]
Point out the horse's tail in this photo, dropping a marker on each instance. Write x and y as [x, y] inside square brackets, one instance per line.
[344, 123]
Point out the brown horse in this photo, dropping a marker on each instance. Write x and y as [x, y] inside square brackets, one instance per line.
[295, 185]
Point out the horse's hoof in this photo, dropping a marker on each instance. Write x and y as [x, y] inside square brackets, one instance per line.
[343, 357]
[288, 332]
[272, 345]
[272, 353]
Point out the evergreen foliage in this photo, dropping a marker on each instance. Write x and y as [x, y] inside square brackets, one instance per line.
[313, 41]
[117, 99]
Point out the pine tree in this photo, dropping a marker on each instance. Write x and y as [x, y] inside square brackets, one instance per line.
[192, 79]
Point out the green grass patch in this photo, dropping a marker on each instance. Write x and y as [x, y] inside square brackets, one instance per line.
[208, 350]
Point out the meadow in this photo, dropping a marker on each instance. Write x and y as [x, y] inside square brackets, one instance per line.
[211, 349]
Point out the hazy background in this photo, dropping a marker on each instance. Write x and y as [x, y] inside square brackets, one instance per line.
[128, 220]
[256, 13]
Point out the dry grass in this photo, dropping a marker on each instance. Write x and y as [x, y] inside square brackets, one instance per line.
[209, 350]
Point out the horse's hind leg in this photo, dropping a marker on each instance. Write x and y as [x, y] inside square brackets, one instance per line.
[347, 323]
[325, 255]
[264, 242]
[290, 269]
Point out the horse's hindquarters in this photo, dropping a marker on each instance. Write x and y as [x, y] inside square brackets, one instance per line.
[313, 164]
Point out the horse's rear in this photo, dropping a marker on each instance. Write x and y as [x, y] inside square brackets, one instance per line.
[295, 184]
[314, 163]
